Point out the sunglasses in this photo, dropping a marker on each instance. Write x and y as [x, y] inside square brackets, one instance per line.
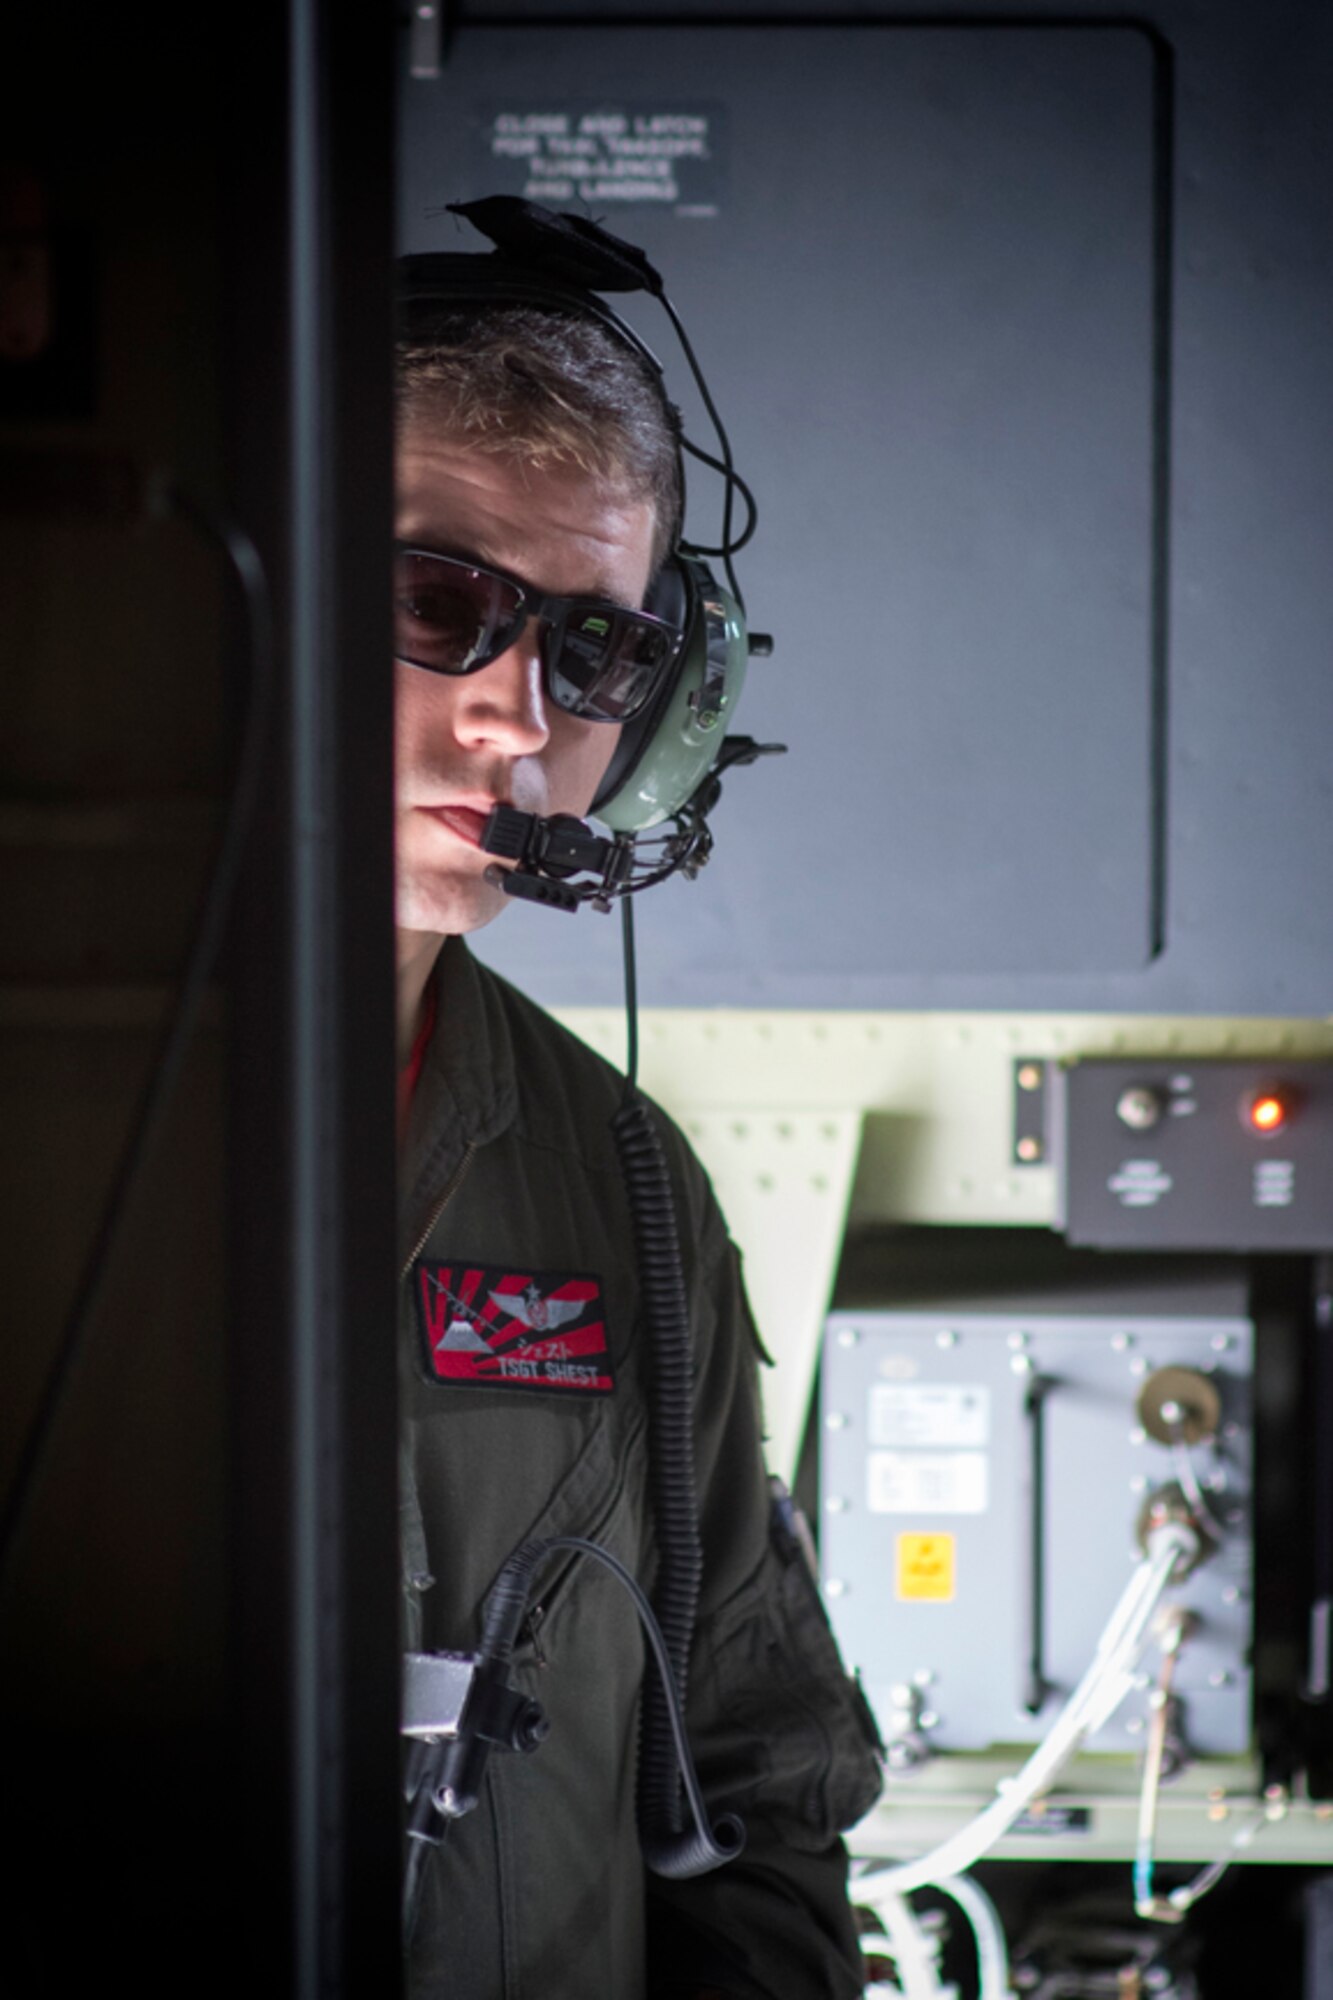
[599, 660]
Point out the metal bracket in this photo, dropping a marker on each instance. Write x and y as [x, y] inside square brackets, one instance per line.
[435, 1691]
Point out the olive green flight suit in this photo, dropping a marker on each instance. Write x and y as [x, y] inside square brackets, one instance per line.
[510, 1167]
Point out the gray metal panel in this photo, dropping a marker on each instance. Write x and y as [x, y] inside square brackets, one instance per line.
[926, 246]
[1249, 923]
[1197, 1176]
[969, 1651]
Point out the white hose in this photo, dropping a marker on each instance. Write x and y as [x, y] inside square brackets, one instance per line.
[1097, 1696]
[981, 1913]
[915, 1957]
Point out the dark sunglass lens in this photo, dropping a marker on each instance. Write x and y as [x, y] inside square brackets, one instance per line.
[447, 615]
[608, 664]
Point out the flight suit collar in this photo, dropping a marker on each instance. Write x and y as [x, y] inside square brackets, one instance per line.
[467, 1093]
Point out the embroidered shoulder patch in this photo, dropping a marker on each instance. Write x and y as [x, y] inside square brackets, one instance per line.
[513, 1329]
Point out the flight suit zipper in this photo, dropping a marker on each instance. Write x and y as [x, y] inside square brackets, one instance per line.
[446, 1195]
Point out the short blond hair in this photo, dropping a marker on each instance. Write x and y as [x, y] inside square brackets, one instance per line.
[548, 388]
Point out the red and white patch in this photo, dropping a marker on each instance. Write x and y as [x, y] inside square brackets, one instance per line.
[513, 1329]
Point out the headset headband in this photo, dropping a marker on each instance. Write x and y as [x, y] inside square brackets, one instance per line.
[456, 277]
[558, 263]
[565, 248]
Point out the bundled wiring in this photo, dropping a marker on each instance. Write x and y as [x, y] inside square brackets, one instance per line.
[1145, 1903]
[988, 1932]
[914, 1953]
[1183, 1463]
[1184, 1898]
[1097, 1696]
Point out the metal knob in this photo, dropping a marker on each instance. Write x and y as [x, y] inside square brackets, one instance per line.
[1139, 1107]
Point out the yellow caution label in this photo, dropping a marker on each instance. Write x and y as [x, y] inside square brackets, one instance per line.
[926, 1568]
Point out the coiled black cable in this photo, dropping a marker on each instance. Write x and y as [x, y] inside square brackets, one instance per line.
[667, 1850]
[680, 1560]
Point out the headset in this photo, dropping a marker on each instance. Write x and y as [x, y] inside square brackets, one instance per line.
[665, 775]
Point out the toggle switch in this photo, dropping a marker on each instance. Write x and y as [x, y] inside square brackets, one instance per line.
[1139, 1107]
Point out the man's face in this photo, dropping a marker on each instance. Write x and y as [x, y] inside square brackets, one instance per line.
[466, 743]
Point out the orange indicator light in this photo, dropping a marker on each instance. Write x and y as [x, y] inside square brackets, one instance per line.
[1268, 1113]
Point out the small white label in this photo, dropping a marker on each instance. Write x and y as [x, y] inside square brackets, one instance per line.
[1274, 1183]
[1140, 1183]
[930, 1413]
[919, 1482]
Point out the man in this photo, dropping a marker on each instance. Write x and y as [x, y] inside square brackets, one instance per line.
[536, 450]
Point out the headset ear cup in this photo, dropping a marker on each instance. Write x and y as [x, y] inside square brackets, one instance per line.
[665, 755]
[671, 596]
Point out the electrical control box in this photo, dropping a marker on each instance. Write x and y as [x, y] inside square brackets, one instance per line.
[1210, 1155]
[986, 1483]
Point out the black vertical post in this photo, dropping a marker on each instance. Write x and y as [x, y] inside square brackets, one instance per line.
[314, 1203]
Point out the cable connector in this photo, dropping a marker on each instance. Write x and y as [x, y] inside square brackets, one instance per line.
[1167, 1517]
